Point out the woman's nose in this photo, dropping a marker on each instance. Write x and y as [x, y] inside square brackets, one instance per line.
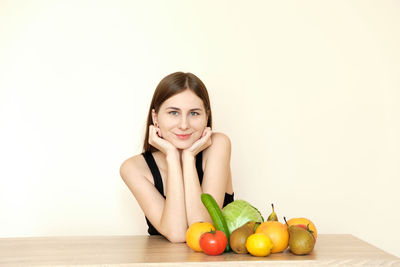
[184, 124]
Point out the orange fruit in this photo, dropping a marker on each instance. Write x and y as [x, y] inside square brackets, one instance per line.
[305, 221]
[278, 234]
[259, 245]
[194, 232]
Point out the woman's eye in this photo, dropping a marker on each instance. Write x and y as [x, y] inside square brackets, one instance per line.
[174, 113]
[193, 113]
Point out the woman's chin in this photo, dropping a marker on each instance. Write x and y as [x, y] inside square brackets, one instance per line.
[182, 145]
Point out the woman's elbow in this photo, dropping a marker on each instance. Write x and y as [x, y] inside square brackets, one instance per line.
[176, 237]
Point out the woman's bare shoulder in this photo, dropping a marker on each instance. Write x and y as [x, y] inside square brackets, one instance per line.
[220, 140]
[133, 167]
[220, 145]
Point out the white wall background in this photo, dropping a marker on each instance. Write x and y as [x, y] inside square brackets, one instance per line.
[308, 92]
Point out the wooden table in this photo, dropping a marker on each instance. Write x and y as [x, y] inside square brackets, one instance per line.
[330, 250]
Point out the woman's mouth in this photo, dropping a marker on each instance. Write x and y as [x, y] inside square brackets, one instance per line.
[183, 136]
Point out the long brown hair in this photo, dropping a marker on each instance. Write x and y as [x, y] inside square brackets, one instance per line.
[171, 85]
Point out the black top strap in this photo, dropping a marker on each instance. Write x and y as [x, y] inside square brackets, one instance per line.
[199, 167]
[154, 171]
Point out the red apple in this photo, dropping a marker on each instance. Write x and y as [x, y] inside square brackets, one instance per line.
[302, 226]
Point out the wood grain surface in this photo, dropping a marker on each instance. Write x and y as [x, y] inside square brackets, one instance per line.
[330, 250]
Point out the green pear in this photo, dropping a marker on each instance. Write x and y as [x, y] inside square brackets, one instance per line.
[301, 241]
[272, 216]
[237, 239]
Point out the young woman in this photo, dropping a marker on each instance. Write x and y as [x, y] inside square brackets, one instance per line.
[182, 158]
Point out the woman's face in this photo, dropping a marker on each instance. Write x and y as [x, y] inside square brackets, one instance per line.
[182, 119]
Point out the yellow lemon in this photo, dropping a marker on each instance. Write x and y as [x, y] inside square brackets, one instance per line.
[194, 233]
[259, 245]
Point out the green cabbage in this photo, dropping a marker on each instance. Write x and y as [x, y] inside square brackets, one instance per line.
[239, 212]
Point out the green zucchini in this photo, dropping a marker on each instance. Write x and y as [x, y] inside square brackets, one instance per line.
[216, 215]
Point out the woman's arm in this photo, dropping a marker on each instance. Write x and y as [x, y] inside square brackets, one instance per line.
[168, 215]
[195, 210]
[216, 176]
[173, 223]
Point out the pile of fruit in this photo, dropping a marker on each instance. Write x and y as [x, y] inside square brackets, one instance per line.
[240, 227]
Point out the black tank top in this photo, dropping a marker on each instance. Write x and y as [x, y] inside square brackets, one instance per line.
[148, 156]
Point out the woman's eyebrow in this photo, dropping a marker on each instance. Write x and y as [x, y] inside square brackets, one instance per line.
[193, 109]
[173, 108]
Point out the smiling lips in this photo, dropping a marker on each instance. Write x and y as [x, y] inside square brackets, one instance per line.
[183, 136]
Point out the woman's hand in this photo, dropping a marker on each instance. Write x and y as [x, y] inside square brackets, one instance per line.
[156, 140]
[201, 144]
